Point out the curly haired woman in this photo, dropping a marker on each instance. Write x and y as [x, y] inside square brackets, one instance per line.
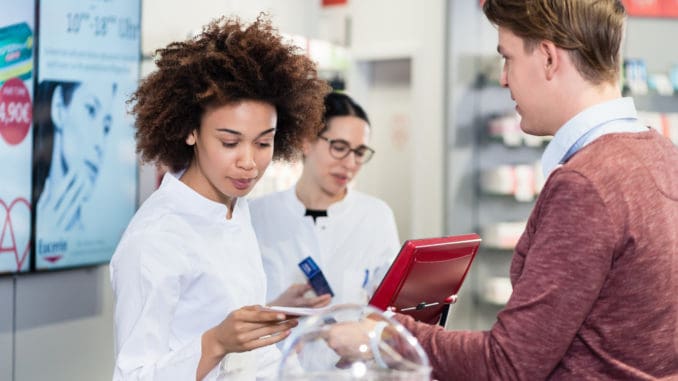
[187, 274]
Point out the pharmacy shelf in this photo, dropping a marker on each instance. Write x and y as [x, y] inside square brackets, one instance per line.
[656, 103]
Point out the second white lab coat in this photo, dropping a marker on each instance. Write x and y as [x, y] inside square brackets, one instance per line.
[354, 245]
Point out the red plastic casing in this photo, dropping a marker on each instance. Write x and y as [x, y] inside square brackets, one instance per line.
[427, 273]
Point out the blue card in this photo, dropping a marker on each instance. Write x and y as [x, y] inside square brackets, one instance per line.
[315, 276]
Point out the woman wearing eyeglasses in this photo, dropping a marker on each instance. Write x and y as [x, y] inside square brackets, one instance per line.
[350, 235]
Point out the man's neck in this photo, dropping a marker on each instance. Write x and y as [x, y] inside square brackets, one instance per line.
[584, 95]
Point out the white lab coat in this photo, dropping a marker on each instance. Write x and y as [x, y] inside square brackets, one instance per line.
[354, 245]
[181, 267]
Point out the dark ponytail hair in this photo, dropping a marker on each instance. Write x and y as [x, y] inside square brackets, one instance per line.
[340, 104]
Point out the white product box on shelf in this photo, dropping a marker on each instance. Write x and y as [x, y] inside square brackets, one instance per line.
[503, 235]
[666, 124]
[496, 290]
[523, 181]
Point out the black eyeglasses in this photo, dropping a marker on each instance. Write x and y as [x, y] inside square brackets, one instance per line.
[340, 148]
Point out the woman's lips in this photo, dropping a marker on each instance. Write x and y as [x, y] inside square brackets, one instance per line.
[341, 178]
[242, 184]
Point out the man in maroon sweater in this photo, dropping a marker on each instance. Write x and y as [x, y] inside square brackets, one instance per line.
[595, 274]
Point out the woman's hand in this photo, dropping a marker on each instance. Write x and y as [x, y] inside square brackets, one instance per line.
[294, 297]
[249, 328]
[243, 330]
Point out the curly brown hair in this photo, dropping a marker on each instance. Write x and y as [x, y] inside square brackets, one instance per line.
[227, 63]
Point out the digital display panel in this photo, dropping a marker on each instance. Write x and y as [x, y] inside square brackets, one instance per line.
[85, 172]
[16, 133]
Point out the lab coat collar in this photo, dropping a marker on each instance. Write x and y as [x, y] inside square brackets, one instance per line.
[342, 205]
[335, 209]
[291, 199]
[189, 201]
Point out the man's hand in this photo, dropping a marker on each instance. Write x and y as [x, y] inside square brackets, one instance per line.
[351, 340]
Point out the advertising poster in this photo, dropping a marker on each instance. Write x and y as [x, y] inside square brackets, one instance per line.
[85, 174]
[16, 135]
[652, 8]
[649, 8]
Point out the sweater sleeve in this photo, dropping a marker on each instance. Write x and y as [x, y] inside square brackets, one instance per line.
[569, 253]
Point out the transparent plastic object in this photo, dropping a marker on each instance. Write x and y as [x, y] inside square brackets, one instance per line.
[351, 342]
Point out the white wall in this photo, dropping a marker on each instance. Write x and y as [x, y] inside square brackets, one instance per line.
[6, 327]
[165, 21]
[388, 101]
[384, 33]
[64, 326]
[56, 326]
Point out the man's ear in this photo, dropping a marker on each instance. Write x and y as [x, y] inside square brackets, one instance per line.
[57, 108]
[552, 58]
[192, 138]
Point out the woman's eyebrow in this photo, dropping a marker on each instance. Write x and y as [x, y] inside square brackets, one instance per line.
[266, 132]
[234, 132]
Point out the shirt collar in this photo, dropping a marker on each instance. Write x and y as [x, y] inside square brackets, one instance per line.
[189, 201]
[580, 125]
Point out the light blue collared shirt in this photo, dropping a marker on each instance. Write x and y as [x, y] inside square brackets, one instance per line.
[617, 115]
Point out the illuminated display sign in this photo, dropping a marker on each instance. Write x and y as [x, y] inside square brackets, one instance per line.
[85, 173]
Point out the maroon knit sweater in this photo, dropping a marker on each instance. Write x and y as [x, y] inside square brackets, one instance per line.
[595, 276]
